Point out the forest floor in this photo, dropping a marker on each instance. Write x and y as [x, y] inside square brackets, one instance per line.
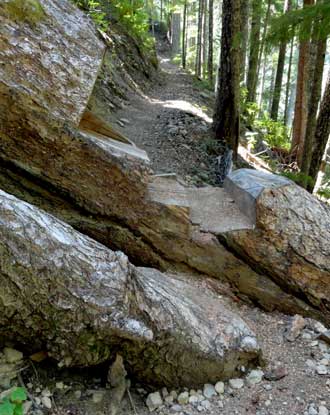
[172, 124]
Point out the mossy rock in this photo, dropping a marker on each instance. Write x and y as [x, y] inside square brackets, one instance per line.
[28, 11]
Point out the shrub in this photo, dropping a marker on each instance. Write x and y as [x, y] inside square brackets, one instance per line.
[13, 403]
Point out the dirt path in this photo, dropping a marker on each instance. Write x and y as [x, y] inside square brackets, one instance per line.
[171, 123]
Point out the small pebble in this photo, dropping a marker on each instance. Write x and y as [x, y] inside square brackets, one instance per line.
[321, 370]
[176, 408]
[323, 410]
[236, 383]
[47, 403]
[206, 404]
[220, 388]
[154, 401]
[183, 398]
[209, 391]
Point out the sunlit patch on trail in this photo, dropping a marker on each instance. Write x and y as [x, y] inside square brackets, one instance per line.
[185, 106]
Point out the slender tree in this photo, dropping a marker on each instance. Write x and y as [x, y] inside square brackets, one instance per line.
[210, 51]
[198, 65]
[244, 33]
[252, 75]
[226, 116]
[288, 83]
[279, 74]
[184, 35]
[205, 38]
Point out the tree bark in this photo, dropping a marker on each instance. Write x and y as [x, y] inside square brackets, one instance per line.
[321, 137]
[226, 116]
[300, 116]
[316, 91]
[252, 76]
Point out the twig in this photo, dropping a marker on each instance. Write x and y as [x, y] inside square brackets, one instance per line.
[35, 371]
[19, 377]
[131, 401]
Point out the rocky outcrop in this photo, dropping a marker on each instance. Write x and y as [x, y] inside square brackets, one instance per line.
[50, 57]
[68, 161]
[64, 291]
[291, 242]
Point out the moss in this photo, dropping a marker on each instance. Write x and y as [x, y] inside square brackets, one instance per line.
[28, 11]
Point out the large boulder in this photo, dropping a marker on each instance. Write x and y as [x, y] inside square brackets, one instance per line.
[64, 291]
[103, 187]
[291, 241]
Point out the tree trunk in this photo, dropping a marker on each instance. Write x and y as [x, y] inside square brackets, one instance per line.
[262, 85]
[252, 76]
[300, 116]
[176, 33]
[226, 117]
[316, 91]
[271, 89]
[278, 82]
[287, 91]
[321, 137]
[198, 65]
[244, 30]
[279, 75]
[210, 51]
[205, 39]
[264, 34]
[58, 284]
[184, 37]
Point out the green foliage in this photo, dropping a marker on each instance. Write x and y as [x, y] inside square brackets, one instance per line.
[275, 133]
[299, 178]
[300, 22]
[324, 192]
[133, 16]
[94, 10]
[29, 11]
[13, 404]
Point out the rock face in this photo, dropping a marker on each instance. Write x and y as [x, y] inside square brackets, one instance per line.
[291, 242]
[84, 302]
[56, 55]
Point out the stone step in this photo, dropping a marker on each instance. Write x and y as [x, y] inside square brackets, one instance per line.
[168, 191]
[213, 209]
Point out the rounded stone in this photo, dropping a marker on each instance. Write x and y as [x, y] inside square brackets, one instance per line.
[323, 410]
[220, 388]
[254, 377]
[209, 391]
[183, 398]
[236, 383]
